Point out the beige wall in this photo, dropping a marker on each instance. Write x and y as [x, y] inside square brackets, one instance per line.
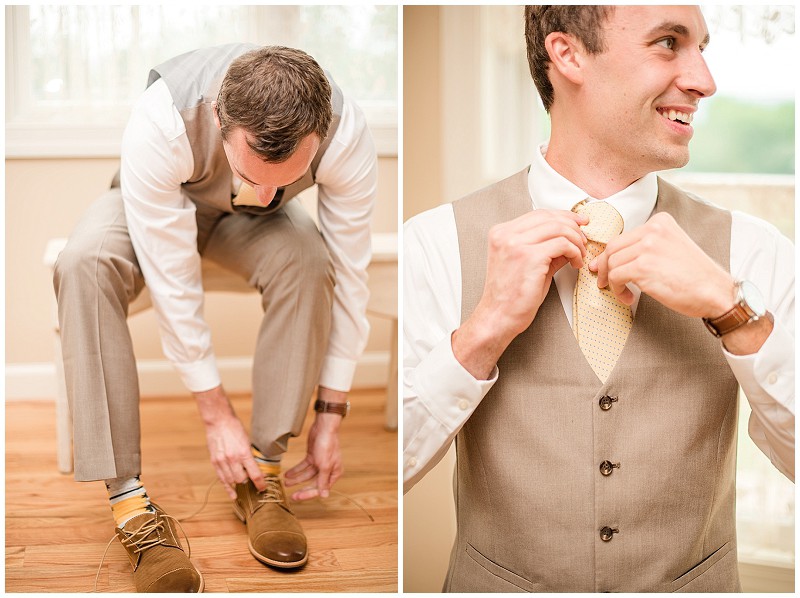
[45, 198]
[422, 134]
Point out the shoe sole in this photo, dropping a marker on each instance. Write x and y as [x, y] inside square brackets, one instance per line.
[202, 580]
[260, 557]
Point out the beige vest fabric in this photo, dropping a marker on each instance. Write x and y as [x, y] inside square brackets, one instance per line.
[194, 80]
[530, 497]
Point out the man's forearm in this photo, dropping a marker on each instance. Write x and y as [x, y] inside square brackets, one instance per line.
[213, 405]
[477, 346]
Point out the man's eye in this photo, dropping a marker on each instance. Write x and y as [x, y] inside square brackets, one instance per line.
[667, 42]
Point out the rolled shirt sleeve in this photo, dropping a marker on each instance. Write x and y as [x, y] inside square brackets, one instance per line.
[439, 395]
[156, 159]
[347, 178]
[762, 255]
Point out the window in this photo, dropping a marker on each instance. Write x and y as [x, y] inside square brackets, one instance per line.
[73, 72]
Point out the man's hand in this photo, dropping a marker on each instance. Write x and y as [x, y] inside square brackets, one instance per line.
[524, 254]
[323, 456]
[228, 443]
[661, 259]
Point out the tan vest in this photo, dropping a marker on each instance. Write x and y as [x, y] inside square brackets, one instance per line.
[194, 80]
[531, 499]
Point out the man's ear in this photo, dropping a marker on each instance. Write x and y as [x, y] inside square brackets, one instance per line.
[216, 115]
[566, 56]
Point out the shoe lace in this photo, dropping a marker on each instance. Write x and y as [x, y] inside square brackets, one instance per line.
[273, 492]
[140, 540]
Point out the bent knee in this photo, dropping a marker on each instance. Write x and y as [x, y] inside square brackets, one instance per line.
[301, 258]
[86, 265]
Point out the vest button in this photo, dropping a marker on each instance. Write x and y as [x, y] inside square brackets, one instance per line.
[607, 533]
[607, 467]
[605, 402]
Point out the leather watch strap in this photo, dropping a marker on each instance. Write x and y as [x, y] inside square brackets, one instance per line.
[342, 409]
[729, 321]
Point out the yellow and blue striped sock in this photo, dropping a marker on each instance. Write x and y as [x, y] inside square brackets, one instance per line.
[128, 499]
[267, 465]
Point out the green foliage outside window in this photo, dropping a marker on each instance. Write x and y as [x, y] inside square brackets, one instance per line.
[735, 135]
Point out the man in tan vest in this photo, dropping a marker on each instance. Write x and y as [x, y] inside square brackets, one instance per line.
[216, 148]
[582, 327]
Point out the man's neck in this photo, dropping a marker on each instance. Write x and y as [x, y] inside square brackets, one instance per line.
[594, 171]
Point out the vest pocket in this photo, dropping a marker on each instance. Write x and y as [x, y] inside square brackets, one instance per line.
[718, 572]
[477, 580]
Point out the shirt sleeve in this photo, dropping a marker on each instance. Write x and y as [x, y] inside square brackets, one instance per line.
[439, 395]
[347, 179]
[762, 255]
[156, 159]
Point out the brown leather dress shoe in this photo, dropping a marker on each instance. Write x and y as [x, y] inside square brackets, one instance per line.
[274, 534]
[158, 560]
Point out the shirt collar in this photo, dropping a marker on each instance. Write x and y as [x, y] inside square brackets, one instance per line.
[549, 190]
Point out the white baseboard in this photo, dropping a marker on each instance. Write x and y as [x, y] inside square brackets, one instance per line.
[31, 381]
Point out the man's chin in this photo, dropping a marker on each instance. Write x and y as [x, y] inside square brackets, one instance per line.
[669, 160]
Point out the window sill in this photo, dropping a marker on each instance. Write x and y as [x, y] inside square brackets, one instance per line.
[762, 577]
[33, 141]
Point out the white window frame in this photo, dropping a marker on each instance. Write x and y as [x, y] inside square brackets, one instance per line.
[27, 138]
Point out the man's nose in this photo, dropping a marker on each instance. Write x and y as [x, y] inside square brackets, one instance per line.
[265, 194]
[696, 78]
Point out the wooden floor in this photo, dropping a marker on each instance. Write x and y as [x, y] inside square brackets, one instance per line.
[57, 529]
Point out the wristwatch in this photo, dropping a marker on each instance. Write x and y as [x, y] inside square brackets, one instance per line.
[324, 407]
[749, 307]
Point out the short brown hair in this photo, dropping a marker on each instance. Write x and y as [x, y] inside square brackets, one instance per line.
[582, 22]
[278, 96]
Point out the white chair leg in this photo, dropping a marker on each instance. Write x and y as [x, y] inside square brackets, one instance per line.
[391, 389]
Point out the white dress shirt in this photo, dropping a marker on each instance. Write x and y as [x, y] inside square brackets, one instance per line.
[439, 395]
[157, 158]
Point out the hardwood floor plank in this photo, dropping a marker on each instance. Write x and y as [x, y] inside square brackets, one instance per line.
[57, 529]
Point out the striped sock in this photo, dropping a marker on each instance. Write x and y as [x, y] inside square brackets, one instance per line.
[267, 465]
[128, 499]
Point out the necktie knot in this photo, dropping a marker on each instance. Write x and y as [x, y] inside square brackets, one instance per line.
[605, 222]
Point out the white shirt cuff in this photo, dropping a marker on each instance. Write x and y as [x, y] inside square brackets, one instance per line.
[767, 375]
[200, 376]
[449, 391]
[337, 373]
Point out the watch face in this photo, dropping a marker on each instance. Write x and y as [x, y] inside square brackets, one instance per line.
[753, 298]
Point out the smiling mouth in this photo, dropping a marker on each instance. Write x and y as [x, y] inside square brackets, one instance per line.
[683, 118]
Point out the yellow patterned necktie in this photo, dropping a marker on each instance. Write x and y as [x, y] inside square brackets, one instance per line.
[246, 196]
[601, 323]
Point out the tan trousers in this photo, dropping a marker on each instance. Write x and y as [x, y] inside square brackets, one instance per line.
[282, 255]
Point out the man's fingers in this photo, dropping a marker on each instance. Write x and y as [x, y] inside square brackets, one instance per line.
[255, 474]
[226, 478]
[618, 278]
[305, 494]
[563, 247]
[336, 473]
[302, 472]
[324, 482]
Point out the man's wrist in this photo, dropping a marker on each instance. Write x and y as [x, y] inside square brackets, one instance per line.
[331, 406]
[722, 299]
[477, 346]
[213, 405]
